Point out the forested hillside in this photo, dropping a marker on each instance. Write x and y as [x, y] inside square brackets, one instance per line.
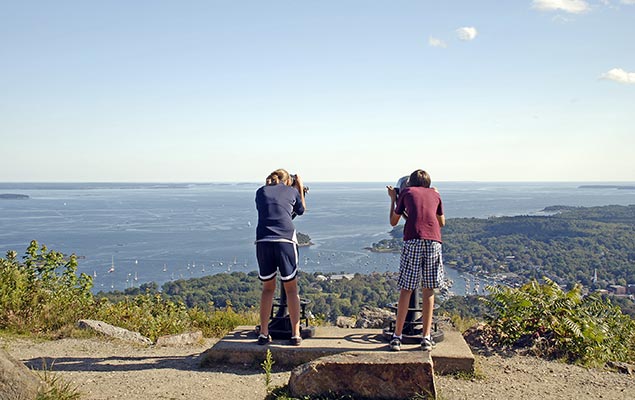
[567, 246]
[329, 297]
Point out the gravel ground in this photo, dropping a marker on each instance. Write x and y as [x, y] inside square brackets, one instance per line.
[103, 369]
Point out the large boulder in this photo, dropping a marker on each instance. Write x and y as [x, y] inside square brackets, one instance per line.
[377, 375]
[17, 382]
[113, 331]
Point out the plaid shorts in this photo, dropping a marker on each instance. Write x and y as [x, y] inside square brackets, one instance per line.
[421, 264]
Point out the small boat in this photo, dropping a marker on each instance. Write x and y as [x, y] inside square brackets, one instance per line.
[112, 266]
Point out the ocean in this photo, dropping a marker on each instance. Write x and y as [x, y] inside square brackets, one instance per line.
[161, 232]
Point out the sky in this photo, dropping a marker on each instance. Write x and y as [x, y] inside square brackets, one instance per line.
[334, 90]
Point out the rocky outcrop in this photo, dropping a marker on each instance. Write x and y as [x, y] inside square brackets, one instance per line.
[345, 322]
[368, 318]
[17, 382]
[113, 331]
[377, 375]
[374, 318]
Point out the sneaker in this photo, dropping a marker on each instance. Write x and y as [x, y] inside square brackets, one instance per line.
[427, 344]
[264, 339]
[395, 344]
[295, 341]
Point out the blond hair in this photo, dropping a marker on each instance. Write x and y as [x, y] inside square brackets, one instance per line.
[278, 176]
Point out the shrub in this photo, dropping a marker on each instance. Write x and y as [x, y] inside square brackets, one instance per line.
[43, 293]
[584, 329]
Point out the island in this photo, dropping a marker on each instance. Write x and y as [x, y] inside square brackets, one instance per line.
[303, 240]
[13, 196]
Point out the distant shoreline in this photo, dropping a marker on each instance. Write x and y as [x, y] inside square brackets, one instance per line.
[13, 196]
[619, 187]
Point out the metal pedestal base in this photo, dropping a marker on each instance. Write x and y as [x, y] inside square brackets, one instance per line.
[413, 326]
[280, 322]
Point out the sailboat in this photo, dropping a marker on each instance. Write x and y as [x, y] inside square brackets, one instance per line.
[112, 265]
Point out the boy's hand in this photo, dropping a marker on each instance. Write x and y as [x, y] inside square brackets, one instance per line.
[392, 193]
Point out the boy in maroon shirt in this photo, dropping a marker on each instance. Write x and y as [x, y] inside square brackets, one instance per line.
[421, 258]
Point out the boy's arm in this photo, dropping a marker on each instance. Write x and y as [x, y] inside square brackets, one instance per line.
[394, 217]
[441, 219]
[440, 215]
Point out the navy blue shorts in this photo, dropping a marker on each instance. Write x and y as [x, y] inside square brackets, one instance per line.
[274, 256]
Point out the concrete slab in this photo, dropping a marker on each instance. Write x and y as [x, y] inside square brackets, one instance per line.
[239, 347]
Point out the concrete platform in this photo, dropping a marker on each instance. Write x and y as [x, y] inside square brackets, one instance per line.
[239, 347]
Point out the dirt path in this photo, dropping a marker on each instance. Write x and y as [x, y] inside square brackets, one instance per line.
[103, 369]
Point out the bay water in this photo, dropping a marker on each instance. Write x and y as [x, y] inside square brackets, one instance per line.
[127, 234]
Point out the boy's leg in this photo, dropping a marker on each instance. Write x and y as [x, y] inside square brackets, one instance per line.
[293, 303]
[409, 279]
[288, 264]
[433, 276]
[402, 310]
[266, 302]
[427, 310]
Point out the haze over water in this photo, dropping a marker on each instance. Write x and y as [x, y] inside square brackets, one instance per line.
[161, 232]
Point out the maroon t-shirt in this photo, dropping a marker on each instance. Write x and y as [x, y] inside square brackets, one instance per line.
[422, 206]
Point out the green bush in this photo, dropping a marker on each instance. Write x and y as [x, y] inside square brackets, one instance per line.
[569, 325]
[43, 293]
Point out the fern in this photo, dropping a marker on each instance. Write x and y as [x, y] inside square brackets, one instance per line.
[584, 329]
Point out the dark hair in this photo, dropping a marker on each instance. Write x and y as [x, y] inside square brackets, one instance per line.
[419, 178]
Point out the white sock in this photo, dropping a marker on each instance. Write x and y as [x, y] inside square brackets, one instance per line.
[395, 336]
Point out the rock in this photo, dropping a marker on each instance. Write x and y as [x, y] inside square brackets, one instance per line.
[113, 331]
[345, 322]
[373, 318]
[621, 367]
[182, 339]
[17, 382]
[381, 375]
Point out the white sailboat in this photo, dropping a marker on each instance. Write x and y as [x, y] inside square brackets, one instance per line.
[112, 266]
